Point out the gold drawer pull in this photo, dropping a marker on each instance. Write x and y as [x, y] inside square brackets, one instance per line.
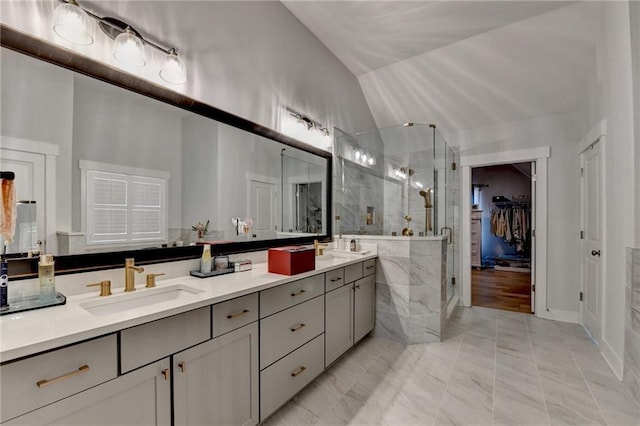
[183, 366]
[294, 329]
[299, 371]
[165, 373]
[47, 382]
[298, 293]
[356, 287]
[232, 316]
[333, 280]
[370, 267]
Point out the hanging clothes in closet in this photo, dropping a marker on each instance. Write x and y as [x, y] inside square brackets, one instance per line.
[511, 223]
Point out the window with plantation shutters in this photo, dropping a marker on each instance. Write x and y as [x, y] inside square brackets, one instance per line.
[122, 208]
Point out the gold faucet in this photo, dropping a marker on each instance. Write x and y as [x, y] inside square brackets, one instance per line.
[129, 276]
[319, 247]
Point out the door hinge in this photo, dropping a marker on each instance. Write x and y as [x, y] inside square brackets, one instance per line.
[581, 171]
[581, 296]
[453, 280]
[533, 232]
[582, 235]
[533, 287]
[454, 166]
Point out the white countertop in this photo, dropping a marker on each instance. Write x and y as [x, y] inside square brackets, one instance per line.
[27, 333]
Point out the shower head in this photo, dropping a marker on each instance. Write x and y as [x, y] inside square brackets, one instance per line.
[427, 197]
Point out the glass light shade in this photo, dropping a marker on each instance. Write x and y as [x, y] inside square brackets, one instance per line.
[73, 24]
[129, 49]
[173, 70]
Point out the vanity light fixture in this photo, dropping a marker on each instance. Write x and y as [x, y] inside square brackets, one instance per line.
[71, 22]
[364, 158]
[129, 49]
[311, 124]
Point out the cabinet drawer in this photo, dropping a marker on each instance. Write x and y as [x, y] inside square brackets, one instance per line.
[149, 342]
[334, 279]
[232, 314]
[369, 267]
[43, 379]
[353, 272]
[288, 376]
[284, 296]
[287, 330]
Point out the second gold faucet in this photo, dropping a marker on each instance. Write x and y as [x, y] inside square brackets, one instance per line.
[129, 274]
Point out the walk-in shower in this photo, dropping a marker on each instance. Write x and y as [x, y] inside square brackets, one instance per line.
[408, 177]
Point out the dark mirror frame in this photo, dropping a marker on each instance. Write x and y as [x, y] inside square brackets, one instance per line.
[22, 268]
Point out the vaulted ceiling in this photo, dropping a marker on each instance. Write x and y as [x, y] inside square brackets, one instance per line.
[461, 64]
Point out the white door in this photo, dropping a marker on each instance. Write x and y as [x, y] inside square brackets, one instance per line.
[30, 186]
[263, 202]
[591, 234]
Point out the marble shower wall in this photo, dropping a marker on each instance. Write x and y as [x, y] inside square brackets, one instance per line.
[632, 324]
[411, 289]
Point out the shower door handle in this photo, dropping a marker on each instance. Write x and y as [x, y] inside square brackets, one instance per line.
[450, 233]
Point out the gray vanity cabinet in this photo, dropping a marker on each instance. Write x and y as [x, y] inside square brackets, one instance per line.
[339, 322]
[364, 306]
[216, 382]
[142, 397]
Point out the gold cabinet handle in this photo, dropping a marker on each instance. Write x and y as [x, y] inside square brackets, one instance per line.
[333, 280]
[298, 371]
[165, 373]
[298, 327]
[239, 314]
[370, 267]
[183, 366]
[356, 288]
[47, 382]
[298, 293]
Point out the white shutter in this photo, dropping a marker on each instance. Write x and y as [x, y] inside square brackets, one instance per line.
[123, 209]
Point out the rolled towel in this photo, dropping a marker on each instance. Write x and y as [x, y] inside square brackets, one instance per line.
[8, 211]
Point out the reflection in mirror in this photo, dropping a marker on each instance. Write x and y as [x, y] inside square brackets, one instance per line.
[114, 170]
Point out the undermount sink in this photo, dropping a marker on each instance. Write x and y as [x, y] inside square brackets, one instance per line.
[146, 297]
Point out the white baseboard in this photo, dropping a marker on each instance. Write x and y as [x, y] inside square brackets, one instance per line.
[614, 361]
[455, 301]
[559, 315]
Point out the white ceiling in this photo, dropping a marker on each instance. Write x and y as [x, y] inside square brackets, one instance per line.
[368, 35]
[462, 64]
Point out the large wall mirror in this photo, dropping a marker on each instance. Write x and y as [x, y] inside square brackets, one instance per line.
[102, 169]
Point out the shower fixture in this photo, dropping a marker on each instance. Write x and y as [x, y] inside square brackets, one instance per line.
[428, 206]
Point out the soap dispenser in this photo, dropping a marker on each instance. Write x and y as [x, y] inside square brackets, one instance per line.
[46, 278]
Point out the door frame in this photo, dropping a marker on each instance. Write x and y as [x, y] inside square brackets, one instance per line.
[50, 152]
[540, 157]
[596, 135]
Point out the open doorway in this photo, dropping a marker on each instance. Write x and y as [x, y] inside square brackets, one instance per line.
[501, 236]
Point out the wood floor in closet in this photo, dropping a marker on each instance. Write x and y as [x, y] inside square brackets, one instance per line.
[506, 290]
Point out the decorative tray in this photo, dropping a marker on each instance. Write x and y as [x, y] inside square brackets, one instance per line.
[31, 303]
[212, 273]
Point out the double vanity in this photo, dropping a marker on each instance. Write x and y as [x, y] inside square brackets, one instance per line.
[226, 350]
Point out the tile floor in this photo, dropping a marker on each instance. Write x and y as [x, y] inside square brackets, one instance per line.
[493, 368]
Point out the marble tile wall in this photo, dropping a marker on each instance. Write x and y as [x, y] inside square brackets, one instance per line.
[632, 323]
[411, 289]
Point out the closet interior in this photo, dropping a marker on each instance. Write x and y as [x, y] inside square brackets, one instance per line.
[501, 233]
